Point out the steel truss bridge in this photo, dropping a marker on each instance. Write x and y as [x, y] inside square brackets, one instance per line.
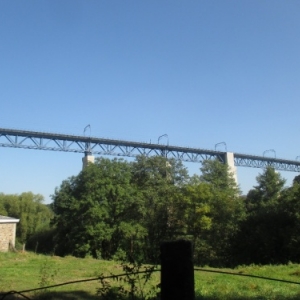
[100, 146]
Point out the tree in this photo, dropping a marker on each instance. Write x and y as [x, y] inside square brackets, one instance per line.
[264, 234]
[97, 212]
[29, 208]
[197, 217]
[3, 211]
[267, 192]
[289, 207]
[226, 211]
[159, 181]
[296, 179]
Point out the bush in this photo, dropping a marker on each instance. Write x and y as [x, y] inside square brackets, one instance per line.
[42, 242]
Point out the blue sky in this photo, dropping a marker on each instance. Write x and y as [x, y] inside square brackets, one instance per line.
[203, 72]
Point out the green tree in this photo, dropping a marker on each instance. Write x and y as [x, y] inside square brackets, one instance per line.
[267, 192]
[289, 208]
[296, 179]
[3, 211]
[29, 208]
[197, 217]
[97, 212]
[226, 211]
[264, 235]
[159, 182]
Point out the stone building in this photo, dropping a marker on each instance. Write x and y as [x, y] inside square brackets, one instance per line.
[7, 233]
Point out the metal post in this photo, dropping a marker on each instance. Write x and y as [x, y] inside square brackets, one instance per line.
[177, 271]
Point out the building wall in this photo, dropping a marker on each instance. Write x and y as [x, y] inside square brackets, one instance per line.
[7, 235]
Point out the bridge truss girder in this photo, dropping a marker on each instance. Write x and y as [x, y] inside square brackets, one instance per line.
[100, 146]
[263, 162]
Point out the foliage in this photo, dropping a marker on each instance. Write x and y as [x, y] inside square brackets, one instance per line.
[159, 184]
[29, 208]
[133, 285]
[289, 207]
[42, 241]
[98, 212]
[225, 209]
[115, 209]
[265, 234]
[267, 192]
[198, 219]
[48, 272]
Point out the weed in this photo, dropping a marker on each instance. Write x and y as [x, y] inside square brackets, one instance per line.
[47, 274]
[134, 285]
[295, 273]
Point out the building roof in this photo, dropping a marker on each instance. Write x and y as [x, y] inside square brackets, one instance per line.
[5, 219]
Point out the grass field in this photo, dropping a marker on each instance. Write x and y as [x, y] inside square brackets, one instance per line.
[24, 271]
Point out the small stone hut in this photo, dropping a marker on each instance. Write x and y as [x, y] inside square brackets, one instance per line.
[7, 233]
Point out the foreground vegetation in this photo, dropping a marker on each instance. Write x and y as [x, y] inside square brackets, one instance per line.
[115, 209]
[24, 271]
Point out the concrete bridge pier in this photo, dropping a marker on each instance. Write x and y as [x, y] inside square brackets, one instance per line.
[229, 160]
[88, 158]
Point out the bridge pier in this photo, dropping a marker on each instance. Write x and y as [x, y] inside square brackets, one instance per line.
[88, 158]
[229, 160]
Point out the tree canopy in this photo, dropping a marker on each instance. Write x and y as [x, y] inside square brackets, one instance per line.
[115, 207]
[98, 211]
[118, 209]
[29, 208]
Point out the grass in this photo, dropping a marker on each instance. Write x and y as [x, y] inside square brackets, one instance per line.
[228, 287]
[23, 271]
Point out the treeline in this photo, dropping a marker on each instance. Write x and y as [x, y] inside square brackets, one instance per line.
[115, 209]
[29, 208]
[118, 209]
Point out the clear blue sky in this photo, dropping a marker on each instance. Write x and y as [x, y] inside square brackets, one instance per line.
[202, 72]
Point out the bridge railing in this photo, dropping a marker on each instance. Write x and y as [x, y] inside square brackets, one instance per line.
[101, 146]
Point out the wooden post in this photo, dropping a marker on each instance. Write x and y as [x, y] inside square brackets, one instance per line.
[177, 271]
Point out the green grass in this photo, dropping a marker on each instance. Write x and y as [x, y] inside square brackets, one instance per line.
[222, 286]
[23, 271]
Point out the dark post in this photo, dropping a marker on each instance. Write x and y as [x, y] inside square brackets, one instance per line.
[177, 271]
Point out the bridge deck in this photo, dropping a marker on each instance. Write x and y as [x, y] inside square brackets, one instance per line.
[100, 146]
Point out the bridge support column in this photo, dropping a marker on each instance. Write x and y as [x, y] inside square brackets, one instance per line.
[229, 159]
[86, 160]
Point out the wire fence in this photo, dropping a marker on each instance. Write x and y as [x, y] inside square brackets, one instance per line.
[21, 293]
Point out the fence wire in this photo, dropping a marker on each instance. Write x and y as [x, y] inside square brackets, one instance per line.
[21, 293]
